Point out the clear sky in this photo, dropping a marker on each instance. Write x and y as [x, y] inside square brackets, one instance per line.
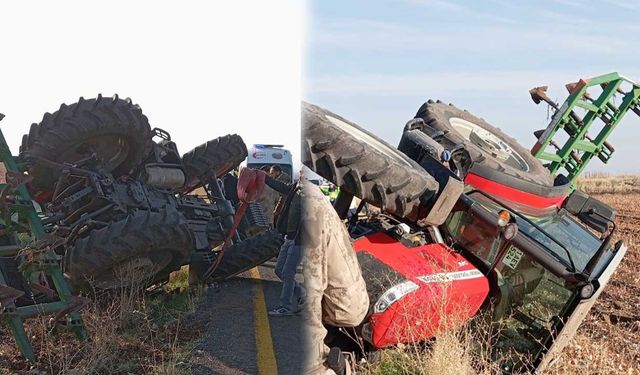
[198, 69]
[375, 62]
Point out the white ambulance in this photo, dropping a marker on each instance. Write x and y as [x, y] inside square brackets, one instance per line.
[261, 155]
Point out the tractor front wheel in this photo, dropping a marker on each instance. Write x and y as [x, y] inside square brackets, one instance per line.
[220, 155]
[245, 255]
[495, 156]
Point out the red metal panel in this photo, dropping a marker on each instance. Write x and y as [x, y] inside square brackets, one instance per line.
[514, 195]
[450, 290]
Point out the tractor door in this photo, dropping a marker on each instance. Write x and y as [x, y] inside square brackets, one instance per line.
[571, 322]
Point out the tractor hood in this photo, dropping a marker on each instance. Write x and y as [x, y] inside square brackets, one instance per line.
[416, 292]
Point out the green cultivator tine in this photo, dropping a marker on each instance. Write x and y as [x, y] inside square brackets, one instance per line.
[572, 157]
[18, 216]
[14, 321]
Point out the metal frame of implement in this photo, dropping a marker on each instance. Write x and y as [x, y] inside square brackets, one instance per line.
[19, 220]
[578, 150]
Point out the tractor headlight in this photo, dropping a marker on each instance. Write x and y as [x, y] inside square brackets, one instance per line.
[587, 291]
[510, 231]
[393, 295]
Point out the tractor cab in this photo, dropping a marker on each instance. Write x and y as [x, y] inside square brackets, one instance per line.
[543, 279]
[533, 275]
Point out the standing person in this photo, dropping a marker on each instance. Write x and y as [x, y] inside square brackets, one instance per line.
[288, 223]
[336, 292]
[278, 174]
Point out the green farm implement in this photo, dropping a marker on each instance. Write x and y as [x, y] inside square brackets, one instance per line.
[26, 250]
[591, 104]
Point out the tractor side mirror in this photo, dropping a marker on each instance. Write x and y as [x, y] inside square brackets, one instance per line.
[594, 213]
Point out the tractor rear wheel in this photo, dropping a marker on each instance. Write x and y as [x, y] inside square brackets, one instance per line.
[115, 130]
[220, 155]
[495, 155]
[247, 254]
[142, 249]
[362, 164]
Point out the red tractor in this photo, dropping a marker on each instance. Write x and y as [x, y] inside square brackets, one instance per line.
[469, 222]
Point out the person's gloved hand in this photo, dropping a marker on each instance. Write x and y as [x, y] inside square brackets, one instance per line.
[250, 184]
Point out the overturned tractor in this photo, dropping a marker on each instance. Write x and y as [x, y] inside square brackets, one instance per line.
[115, 204]
[471, 223]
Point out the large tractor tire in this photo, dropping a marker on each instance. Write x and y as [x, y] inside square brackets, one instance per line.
[363, 164]
[495, 155]
[247, 254]
[219, 155]
[112, 128]
[144, 248]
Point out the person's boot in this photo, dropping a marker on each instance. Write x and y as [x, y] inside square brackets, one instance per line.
[336, 361]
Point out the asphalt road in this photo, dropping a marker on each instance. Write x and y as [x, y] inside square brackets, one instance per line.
[240, 337]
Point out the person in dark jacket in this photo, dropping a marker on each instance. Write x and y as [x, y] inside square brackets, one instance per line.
[276, 172]
[288, 223]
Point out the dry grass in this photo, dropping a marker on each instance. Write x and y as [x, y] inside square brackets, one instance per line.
[468, 348]
[449, 354]
[464, 351]
[130, 333]
[609, 184]
[461, 346]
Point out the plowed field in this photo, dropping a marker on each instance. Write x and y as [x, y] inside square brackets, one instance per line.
[609, 339]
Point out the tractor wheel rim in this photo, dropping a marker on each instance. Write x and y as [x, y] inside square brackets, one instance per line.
[489, 143]
[366, 138]
[112, 150]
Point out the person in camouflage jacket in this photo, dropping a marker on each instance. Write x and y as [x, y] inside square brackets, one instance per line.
[336, 291]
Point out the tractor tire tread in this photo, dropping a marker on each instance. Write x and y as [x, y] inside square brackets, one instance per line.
[385, 178]
[141, 232]
[86, 119]
[247, 254]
